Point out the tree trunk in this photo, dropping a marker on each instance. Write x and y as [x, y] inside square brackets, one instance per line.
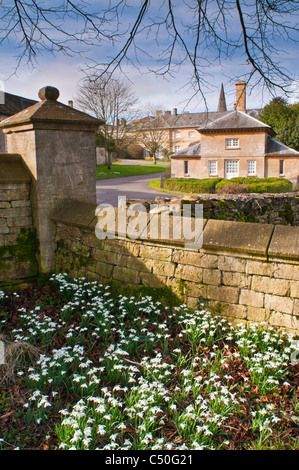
[109, 160]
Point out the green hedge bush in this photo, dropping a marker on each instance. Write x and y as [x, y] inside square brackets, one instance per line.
[221, 186]
[257, 185]
[191, 185]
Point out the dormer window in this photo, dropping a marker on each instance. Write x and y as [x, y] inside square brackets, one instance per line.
[232, 143]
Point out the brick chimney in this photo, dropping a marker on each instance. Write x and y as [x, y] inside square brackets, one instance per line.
[241, 96]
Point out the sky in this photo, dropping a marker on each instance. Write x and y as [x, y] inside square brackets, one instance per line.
[66, 72]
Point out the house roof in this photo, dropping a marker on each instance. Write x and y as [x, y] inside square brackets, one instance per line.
[50, 110]
[12, 104]
[186, 120]
[277, 149]
[192, 151]
[235, 120]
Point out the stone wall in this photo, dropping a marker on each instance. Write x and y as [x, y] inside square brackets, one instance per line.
[249, 272]
[277, 209]
[18, 244]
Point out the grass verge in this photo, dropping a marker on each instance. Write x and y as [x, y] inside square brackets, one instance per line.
[119, 171]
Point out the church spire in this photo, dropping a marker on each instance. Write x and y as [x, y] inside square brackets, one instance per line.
[221, 102]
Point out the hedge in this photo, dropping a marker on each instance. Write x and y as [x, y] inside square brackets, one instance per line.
[258, 185]
[218, 185]
[191, 185]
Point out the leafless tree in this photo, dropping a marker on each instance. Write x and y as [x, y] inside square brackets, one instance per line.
[113, 101]
[171, 32]
[150, 131]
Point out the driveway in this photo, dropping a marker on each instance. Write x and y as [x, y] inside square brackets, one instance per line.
[133, 187]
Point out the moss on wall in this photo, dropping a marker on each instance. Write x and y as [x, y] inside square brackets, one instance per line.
[24, 252]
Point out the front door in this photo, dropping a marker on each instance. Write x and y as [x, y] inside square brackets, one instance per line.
[231, 169]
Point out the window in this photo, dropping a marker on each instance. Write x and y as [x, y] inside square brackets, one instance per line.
[231, 143]
[281, 167]
[177, 135]
[177, 148]
[231, 169]
[213, 167]
[191, 134]
[186, 167]
[251, 167]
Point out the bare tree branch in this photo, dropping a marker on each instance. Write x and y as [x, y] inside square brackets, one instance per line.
[160, 36]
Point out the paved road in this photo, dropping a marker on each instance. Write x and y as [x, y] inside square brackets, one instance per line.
[133, 187]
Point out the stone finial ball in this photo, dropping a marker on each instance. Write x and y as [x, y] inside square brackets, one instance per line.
[48, 93]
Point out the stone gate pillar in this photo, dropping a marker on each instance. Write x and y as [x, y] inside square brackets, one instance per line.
[57, 143]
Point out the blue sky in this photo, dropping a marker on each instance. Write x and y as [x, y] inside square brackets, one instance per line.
[66, 72]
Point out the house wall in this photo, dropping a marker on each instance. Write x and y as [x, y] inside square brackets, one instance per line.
[291, 166]
[178, 167]
[184, 140]
[251, 147]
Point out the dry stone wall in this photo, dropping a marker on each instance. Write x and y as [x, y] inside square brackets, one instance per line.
[18, 244]
[248, 272]
[277, 209]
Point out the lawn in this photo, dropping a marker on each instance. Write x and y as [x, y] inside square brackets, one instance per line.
[89, 368]
[118, 171]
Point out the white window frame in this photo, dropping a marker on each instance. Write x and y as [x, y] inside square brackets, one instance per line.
[232, 165]
[211, 164]
[186, 173]
[251, 167]
[283, 167]
[232, 143]
[191, 134]
[177, 135]
[177, 148]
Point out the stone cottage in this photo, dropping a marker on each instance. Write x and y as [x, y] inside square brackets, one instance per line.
[236, 144]
[179, 131]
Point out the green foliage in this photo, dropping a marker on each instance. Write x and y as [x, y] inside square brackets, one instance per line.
[240, 184]
[192, 185]
[284, 120]
[258, 185]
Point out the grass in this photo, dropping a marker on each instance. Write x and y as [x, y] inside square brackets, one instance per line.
[119, 171]
[128, 373]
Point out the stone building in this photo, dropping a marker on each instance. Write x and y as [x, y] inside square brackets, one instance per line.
[181, 130]
[10, 105]
[236, 144]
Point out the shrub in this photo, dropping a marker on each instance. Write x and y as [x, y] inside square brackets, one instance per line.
[254, 185]
[192, 185]
[233, 188]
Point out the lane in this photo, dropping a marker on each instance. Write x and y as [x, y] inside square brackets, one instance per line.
[133, 187]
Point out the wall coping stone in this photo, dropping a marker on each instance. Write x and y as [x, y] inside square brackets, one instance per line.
[75, 212]
[284, 243]
[13, 170]
[249, 238]
[246, 240]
